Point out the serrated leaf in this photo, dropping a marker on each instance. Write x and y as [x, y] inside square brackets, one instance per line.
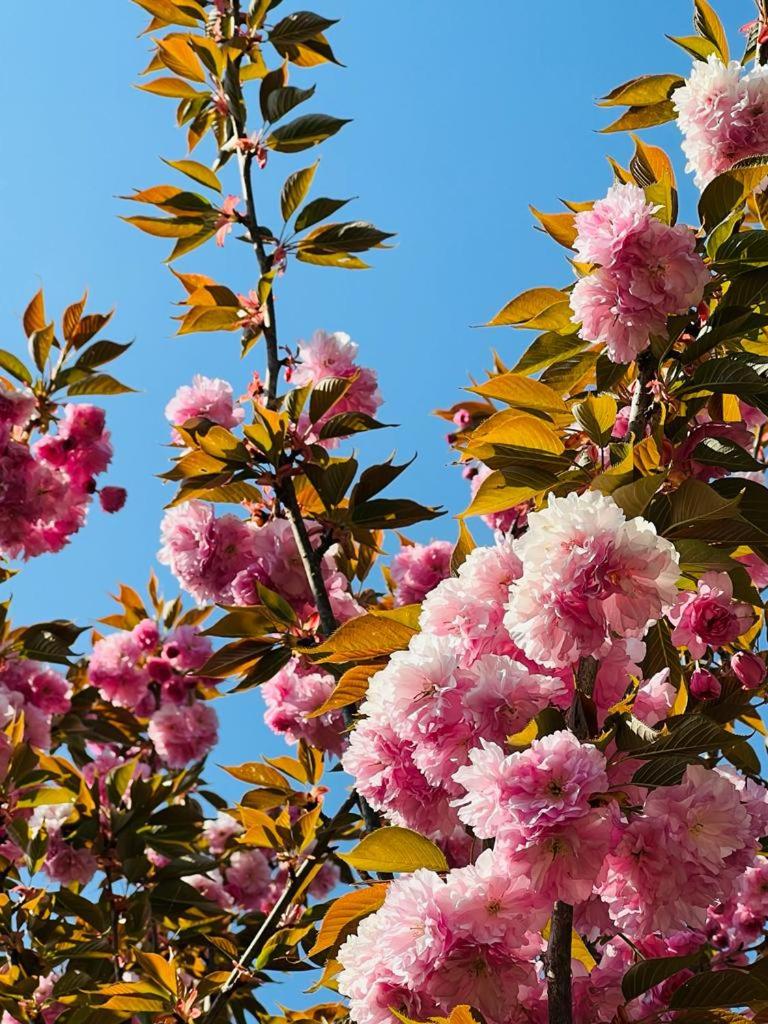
[171, 88]
[526, 306]
[13, 365]
[99, 384]
[34, 315]
[368, 637]
[648, 973]
[318, 210]
[642, 117]
[719, 989]
[597, 415]
[395, 849]
[281, 101]
[643, 91]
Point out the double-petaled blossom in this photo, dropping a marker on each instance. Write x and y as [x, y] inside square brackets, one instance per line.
[292, 696]
[208, 398]
[35, 691]
[183, 733]
[434, 943]
[709, 616]
[537, 804]
[417, 569]
[46, 488]
[647, 271]
[588, 575]
[723, 115]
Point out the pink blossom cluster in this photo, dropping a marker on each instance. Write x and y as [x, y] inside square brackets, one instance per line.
[647, 271]
[223, 560]
[292, 696]
[417, 569]
[589, 575]
[722, 112]
[39, 693]
[739, 921]
[64, 862]
[205, 398]
[436, 943]
[158, 677]
[46, 487]
[334, 355]
[423, 715]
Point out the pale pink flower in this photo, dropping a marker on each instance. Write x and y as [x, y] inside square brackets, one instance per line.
[183, 735]
[291, 696]
[208, 398]
[588, 575]
[417, 569]
[16, 406]
[247, 878]
[655, 699]
[709, 616]
[757, 569]
[723, 115]
[218, 831]
[334, 355]
[115, 669]
[647, 272]
[211, 887]
[228, 216]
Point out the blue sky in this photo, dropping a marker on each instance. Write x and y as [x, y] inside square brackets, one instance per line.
[462, 115]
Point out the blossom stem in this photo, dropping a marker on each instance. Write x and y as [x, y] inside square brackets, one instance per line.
[274, 918]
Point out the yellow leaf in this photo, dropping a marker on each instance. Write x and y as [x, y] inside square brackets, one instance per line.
[525, 307]
[350, 689]
[579, 950]
[525, 737]
[395, 849]
[34, 315]
[257, 774]
[365, 638]
[346, 911]
[197, 172]
[521, 392]
[464, 546]
[179, 57]
[597, 415]
[512, 427]
[496, 495]
[158, 969]
[560, 226]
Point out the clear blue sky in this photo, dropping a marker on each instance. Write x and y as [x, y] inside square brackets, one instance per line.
[463, 114]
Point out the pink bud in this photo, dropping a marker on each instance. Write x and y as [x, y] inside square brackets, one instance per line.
[748, 668]
[461, 418]
[704, 686]
[160, 670]
[112, 498]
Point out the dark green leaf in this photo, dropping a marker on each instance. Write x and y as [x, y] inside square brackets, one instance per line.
[318, 210]
[303, 133]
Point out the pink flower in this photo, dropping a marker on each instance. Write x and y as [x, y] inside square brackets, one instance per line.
[219, 831]
[203, 551]
[749, 669]
[67, 864]
[227, 217]
[247, 879]
[183, 735]
[588, 575]
[334, 355]
[710, 616]
[722, 114]
[115, 670]
[207, 398]
[655, 699]
[292, 695]
[251, 311]
[80, 449]
[16, 406]
[757, 569]
[648, 271]
[704, 685]
[112, 499]
[418, 568]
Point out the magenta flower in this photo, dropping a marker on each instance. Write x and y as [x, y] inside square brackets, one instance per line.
[710, 617]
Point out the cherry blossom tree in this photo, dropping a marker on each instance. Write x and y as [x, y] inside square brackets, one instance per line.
[552, 806]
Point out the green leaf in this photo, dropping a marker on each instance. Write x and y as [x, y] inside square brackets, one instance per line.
[99, 353]
[325, 394]
[352, 236]
[318, 210]
[635, 497]
[392, 513]
[197, 172]
[282, 100]
[40, 343]
[547, 349]
[375, 479]
[648, 973]
[299, 28]
[99, 384]
[395, 849]
[717, 989]
[346, 423]
[696, 46]
[719, 451]
[295, 190]
[13, 365]
[303, 133]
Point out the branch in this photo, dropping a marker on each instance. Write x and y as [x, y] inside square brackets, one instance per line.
[641, 400]
[272, 921]
[558, 955]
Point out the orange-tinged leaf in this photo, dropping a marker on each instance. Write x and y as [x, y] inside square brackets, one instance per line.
[345, 912]
[179, 57]
[496, 495]
[171, 88]
[521, 429]
[560, 226]
[34, 315]
[370, 636]
[526, 306]
[521, 392]
[350, 689]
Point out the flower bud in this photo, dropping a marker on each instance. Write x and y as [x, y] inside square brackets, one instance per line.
[461, 418]
[749, 669]
[704, 686]
[112, 498]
